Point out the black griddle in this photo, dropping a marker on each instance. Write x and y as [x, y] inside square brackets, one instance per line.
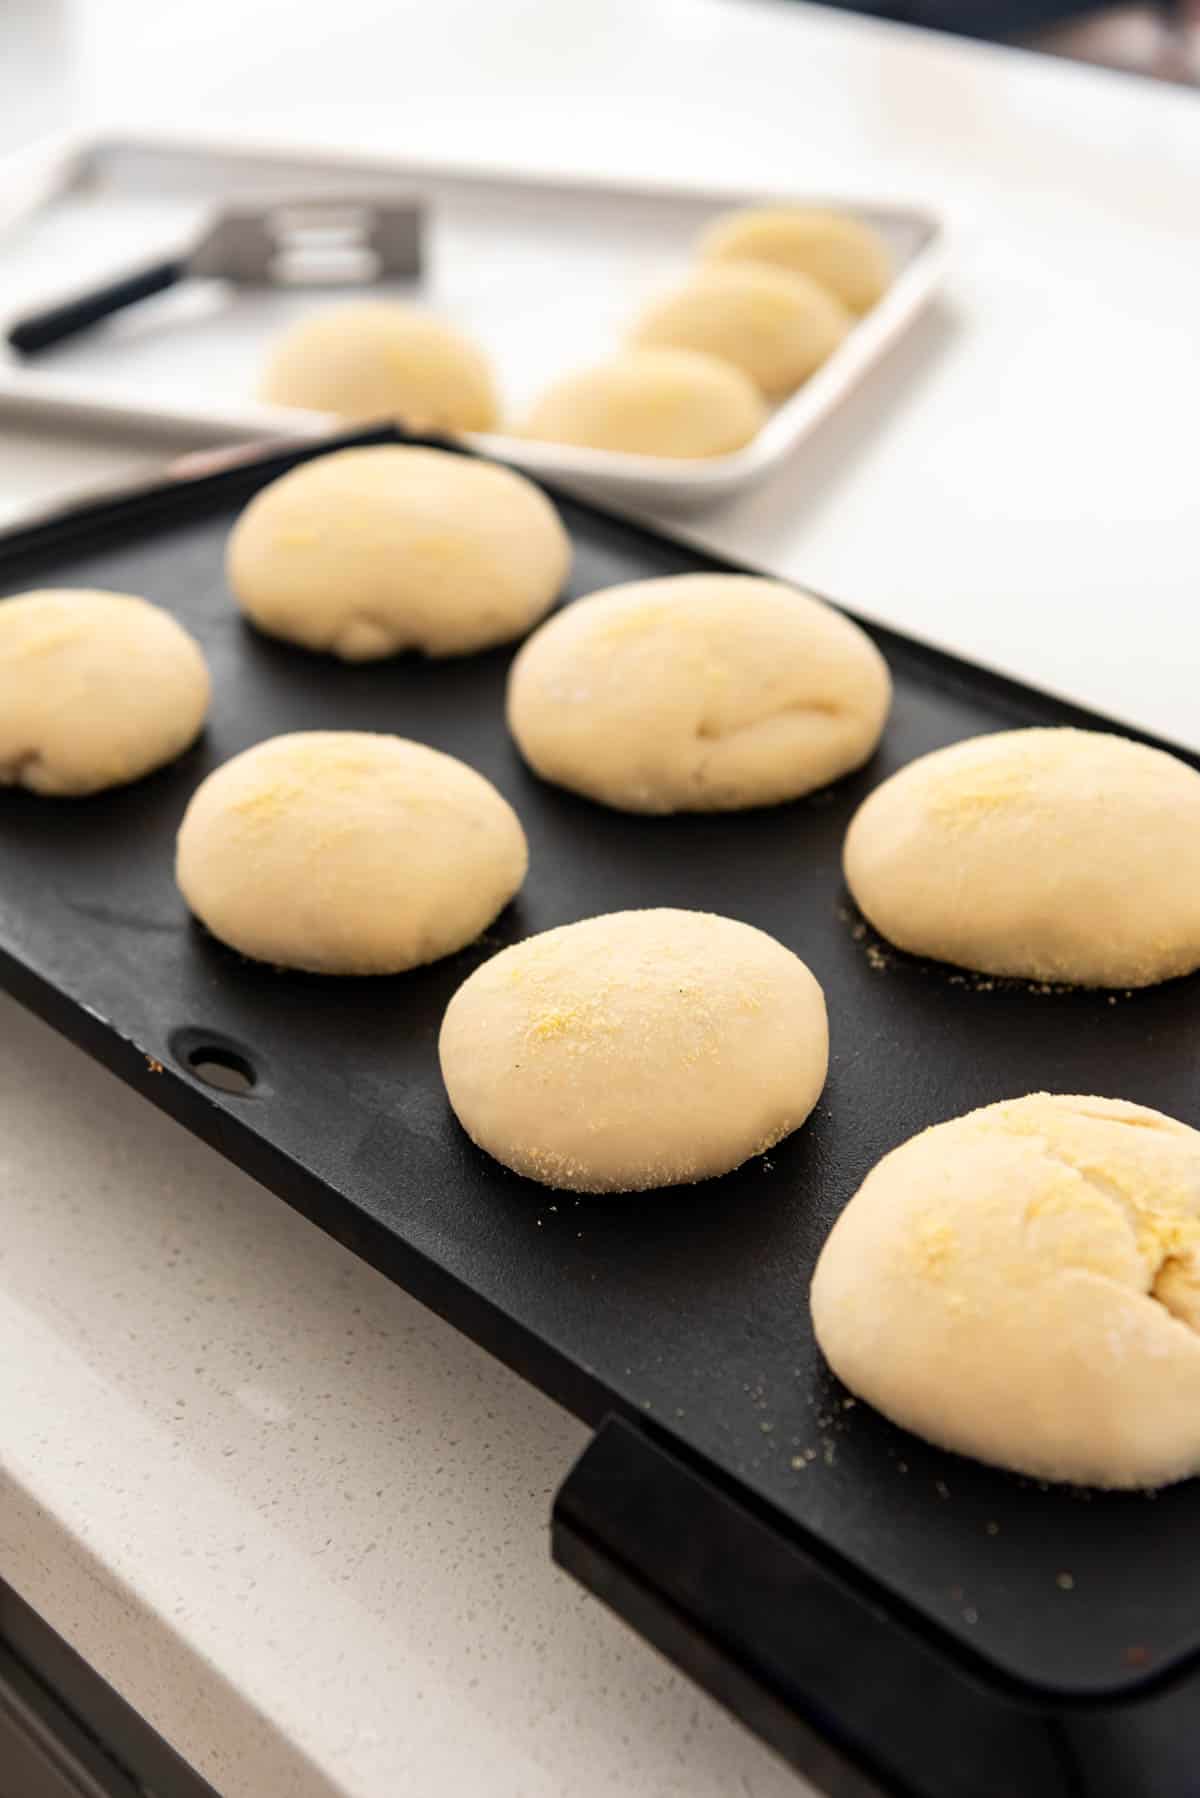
[892, 1617]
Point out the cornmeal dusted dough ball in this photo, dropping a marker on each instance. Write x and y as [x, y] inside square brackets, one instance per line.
[640, 1049]
[342, 852]
[652, 403]
[775, 326]
[1022, 1285]
[1053, 854]
[371, 551]
[699, 692]
[96, 689]
[842, 254]
[377, 359]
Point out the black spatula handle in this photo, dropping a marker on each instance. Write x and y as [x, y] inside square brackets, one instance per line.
[41, 329]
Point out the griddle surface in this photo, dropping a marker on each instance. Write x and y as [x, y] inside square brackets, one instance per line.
[685, 1309]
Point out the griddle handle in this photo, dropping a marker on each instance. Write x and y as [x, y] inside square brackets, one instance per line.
[863, 1705]
[712, 1587]
[39, 330]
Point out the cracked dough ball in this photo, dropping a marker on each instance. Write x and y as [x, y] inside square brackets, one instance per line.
[1050, 854]
[342, 852]
[96, 689]
[639, 1049]
[699, 692]
[775, 326]
[368, 552]
[846, 257]
[652, 403]
[1022, 1285]
[375, 359]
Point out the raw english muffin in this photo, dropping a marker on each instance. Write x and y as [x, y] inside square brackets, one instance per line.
[652, 403]
[342, 852]
[776, 326]
[1023, 1285]
[1058, 854]
[635, 1050]
[847, 258]
[371, 551]
[699, 692]
[372, 359]
[96, 689]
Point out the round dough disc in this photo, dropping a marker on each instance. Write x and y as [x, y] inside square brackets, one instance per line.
[96, 689]
[368, 552]
[846, 257]
[699, 692]
[775, 326]
[376, 359]
[639, 1049]
[652, 403]
[342, 852]
[1023, 1285]
[1050, 854]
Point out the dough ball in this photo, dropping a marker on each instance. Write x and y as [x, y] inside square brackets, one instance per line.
[375, 359]
[1023, 1285]
[776, 327]
[1049, 854]
[846, 257]
[96, 689]
[697, 693]
[342, 852]
[652, 403]
[372, 551]
[640, 1049]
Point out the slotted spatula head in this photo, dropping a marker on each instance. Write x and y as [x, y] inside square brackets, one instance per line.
[337, 240]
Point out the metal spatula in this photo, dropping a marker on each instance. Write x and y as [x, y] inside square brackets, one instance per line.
[316, 242]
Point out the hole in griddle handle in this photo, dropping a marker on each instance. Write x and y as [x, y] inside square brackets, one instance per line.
[221, 1063]
[225, 1069]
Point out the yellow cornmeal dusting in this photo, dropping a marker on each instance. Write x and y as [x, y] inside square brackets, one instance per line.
[1099, 1192]
[553, 1024]
[600, 1021]
[972, 794]
[52, 637]
[561, 1170]
[595, 1023]
[934, 1248]
[556, 1169]
[993, 778]
[633, 622]
[1076, 1226]
[1163, 1238]
[268, 802]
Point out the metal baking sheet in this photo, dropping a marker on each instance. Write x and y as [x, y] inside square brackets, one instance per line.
[686, 1308]
[547, 275]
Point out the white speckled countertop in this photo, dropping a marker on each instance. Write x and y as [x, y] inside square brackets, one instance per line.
[296, 1520]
